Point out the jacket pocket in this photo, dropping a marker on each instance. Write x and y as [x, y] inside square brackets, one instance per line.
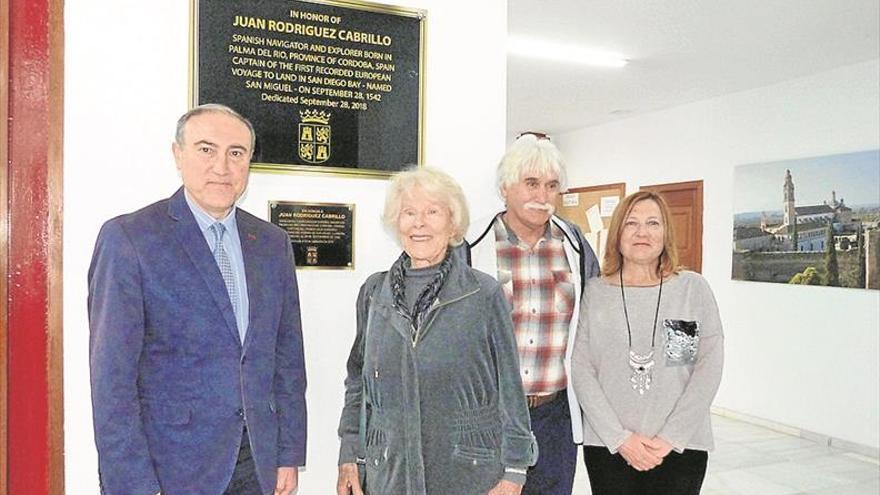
[682, 341]
[477, 436]
[475, 455]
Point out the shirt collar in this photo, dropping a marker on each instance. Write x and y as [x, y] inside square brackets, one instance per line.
[205, 220]
[551, 231]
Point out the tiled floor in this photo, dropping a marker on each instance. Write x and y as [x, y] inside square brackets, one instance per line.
[751, 460]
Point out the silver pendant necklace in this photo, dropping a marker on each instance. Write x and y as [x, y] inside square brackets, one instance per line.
[642, 365]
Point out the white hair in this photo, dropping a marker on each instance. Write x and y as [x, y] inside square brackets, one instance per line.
[436, 184]
[530, 154]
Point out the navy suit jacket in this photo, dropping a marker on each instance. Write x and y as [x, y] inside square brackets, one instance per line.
[172, 385]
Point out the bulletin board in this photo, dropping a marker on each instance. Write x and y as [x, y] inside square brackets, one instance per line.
[574, 205]
[591, 209]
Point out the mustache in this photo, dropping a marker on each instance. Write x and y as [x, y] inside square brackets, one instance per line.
[534, 205]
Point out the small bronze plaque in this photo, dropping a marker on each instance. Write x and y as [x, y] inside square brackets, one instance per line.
[321, 234]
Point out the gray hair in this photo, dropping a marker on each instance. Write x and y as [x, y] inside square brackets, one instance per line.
[531, 154]
[211, 108]
[440, 186]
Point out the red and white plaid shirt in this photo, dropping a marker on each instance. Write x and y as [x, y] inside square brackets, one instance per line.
[537, 283]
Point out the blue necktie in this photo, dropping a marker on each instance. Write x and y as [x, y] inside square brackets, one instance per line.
[222, 258]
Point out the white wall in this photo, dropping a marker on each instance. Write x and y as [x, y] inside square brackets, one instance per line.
[801, 356]
[126, 84]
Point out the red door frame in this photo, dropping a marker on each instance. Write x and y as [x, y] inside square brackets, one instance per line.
[31, 123]
[4, 236]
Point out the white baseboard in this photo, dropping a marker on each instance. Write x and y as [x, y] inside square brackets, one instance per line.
[872, 453]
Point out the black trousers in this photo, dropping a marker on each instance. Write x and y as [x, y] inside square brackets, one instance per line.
[244, 478]
[679, 474]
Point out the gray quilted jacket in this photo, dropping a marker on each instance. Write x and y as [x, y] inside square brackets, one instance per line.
[446, 413]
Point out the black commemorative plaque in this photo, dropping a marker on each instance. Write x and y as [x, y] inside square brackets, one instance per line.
[322, 234]
[331, 86]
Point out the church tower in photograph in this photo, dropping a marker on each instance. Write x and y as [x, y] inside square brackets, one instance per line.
[790, 215]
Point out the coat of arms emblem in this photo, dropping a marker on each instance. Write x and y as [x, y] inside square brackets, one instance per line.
[311, 255]
[314, 136]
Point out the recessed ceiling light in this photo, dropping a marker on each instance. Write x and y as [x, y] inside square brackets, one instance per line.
[562, 52]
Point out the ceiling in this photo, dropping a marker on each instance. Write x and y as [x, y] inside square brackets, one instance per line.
[680, 51]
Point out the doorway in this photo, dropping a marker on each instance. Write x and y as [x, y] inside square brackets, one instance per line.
[685, 200]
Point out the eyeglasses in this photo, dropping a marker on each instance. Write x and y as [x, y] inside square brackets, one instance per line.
[539, 135]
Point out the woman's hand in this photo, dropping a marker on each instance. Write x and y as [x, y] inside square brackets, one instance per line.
[348, 483]
[635, 451]
[505, 487]
[659, 447]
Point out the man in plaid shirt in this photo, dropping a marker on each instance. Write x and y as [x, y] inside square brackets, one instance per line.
[543, 262]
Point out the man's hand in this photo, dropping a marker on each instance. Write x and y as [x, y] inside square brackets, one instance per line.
[659, 447]
[287, 480]
[505, 487]
[634, 450]
[348, 482]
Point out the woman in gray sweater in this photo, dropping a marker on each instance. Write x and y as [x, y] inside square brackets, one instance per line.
[647, 360]
[434, 404]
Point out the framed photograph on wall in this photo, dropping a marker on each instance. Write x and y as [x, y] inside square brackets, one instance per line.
[809, 221]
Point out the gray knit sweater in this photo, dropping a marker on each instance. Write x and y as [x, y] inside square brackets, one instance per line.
[687, 370]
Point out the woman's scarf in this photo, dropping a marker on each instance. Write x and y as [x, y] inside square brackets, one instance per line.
[426, 298]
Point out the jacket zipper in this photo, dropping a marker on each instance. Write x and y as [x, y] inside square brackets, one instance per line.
[434, 314]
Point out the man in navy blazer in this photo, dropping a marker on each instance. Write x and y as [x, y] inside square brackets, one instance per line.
[196, 355]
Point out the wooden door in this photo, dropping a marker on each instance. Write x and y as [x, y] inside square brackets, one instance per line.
[685, 201]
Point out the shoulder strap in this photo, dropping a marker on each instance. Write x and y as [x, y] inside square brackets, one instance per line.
[578, 247]
[470, 245]
[485, 231]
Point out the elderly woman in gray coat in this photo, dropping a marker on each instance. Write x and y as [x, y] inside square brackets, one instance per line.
[433, 398]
